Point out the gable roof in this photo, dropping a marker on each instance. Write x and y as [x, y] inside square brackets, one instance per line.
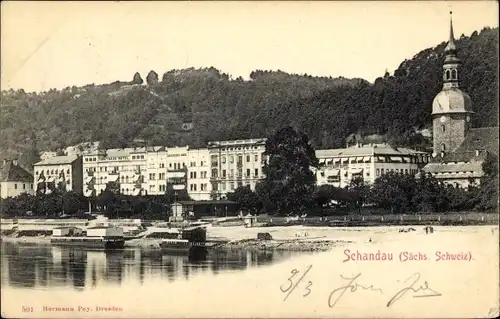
[10, 172]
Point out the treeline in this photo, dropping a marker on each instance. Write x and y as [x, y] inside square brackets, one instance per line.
[396, 106]
[69, 204]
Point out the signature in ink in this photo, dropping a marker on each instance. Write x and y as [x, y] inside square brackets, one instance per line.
[353, 286]
[422, 290]
[292, 285]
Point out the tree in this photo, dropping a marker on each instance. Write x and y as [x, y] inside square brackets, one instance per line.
[152, 78]
[247, 199]
[394, 191]
[137, 79]
[289, 181]
[487, 195]
[360, 192]
[430, 195]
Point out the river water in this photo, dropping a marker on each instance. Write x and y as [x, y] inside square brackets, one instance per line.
[45, 267]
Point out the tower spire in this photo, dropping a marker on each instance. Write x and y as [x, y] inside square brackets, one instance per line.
[451, 47]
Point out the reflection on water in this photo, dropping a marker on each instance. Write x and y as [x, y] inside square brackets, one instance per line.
[45, 267]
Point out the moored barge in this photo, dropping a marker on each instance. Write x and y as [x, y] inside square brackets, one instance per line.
[96, 237]
[184, 239]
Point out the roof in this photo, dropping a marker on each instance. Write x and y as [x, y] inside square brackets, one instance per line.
[366, 151]
[452, 100]
[10, 172]
[58, 160]
[483, 139]
[452, 167]
[470, 155]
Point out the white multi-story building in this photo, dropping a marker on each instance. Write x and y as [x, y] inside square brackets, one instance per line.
[59, 171]
[121, 170]
[340, 166]
[235, 163]
[198, 176]
[156, 176]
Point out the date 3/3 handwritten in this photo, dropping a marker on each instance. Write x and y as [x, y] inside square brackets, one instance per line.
[412, 287]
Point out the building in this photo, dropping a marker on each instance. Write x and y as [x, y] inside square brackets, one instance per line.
[234, 164]
[63, 172]
[338, 167]
[459, 150]
[177, 159]
[199, 186]
[14, 180]
[121, 170]
[156, 179]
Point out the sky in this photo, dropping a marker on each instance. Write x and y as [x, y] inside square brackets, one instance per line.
[48, 45]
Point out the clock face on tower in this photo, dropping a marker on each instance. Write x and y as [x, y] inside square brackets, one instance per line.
[443, 119]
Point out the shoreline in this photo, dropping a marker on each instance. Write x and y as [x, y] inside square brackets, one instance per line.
[288, 238]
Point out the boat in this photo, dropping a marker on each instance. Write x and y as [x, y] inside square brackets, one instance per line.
[89, 242]
[186, 240]
[95, 237]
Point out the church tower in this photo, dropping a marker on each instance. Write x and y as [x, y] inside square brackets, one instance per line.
[451, 108]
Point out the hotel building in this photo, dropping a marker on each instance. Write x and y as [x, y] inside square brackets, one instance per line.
[340, 166]
[63, 172]
[234, 164]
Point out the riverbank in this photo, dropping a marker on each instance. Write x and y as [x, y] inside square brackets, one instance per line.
[288, 238]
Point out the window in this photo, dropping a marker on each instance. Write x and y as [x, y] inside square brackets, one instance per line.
[24, 186]
[256, 157]
[223, 160]
[443, 147]
[231, 159]
[231, 174]
[377, 172]
[31, 186]
[443, 128]
[162, 176]
[223, 173]
[231, 186]
[214, 173]
[248, 158]
[256, 172]
[162, 165]
[248, 171]
[447, 75]
[381, 171]
[126, 179]
[406, 171]
[453, 74]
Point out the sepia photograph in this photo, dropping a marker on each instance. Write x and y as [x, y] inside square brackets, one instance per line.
[249, 159]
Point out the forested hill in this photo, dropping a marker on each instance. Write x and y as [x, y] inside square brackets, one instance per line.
[161, 109]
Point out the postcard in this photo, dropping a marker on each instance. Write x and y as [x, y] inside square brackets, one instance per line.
[251, 159]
